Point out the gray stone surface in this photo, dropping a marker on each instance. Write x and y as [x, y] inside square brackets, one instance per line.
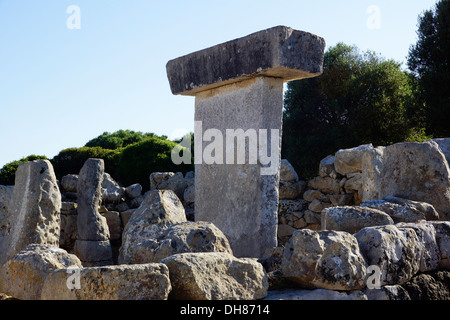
[24, 275]
[325, 259]
[91, 225]
[215, 276]
[236, 197]
[395, 251]
[417, 171]
[124, 282]
[353, 218]
[159, 210]
[92, 245]
[278, 52]
[34, 209]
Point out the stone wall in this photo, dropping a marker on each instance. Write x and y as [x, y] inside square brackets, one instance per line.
[339, 237]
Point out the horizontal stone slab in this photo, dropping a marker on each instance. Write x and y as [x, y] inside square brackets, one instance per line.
[280, 52]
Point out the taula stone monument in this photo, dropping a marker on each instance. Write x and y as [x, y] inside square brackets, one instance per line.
[238, 89]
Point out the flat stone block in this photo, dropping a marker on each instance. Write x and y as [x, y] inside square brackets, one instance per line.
[279, 52]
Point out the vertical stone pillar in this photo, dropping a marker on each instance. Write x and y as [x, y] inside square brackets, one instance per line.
[92, 247]
[238, 89]
[34, 209]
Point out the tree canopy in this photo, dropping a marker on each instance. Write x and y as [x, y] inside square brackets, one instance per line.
[429, 60]
[360, 98]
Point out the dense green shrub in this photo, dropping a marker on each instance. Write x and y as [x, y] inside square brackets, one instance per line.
[70, 161]
[8, 172]
[120, 139]
[139, 160]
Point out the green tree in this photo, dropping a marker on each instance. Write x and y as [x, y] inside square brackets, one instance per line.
[360, 98]
[429, 60]
[120, 139]
[139, 160]
[8, 172]
[71, 160]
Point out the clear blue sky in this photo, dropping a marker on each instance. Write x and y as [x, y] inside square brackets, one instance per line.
[60, 88]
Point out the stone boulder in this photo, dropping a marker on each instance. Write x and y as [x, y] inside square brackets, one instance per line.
[444, 145]
[124, 282]
[24, 275]
[372, 164]
[429, 254]
[326, 185]
[443, 240]
[133, 191]
[395, 251]
[215, 276]
[34, 209]
[428, 210]
[350, 160]
[287, 172]
[69, 182]
[112, 192]
[353, 218]
[159, 210]
[326, 166]
[168, 181]
[324, 259]
[397, 212]
[291, 189]
[417, 171]
[184, 237]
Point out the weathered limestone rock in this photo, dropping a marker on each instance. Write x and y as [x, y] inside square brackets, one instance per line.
[239, 86]
[181, 238]
[325, 259]
[133, 191]
[310, 195]
[215, 276]
[92, 245]
[417, 171]
[395, 251]
[291, 189]
[429, 286]
[326, 166]
[372, 164]
[443, 240]
[24, 275]
[114, 224]
[112, 192]
[353, 218]
[69, 183]
[124, 282]
[189, 194]
[168, 181]
[350, 160]
[278, 52]
[287, 172]
[327, 185]
[429, 254]
[444, 145]
[427, 209]
[398, 213]
[5, 197]
[34, 209]
[160, 209]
